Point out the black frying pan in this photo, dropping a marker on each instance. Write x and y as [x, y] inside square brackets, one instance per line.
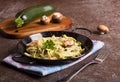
[20, 57]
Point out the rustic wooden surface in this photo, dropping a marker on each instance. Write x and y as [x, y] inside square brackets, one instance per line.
[84, 13]
[8, 28]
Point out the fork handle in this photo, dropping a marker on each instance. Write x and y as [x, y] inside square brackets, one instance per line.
[72, 75]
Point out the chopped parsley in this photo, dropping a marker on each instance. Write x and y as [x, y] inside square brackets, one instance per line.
[49, 44]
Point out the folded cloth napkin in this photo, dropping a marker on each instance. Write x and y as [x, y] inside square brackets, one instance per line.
[42, 70]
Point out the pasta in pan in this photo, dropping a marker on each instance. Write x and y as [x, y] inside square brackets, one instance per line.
[54, 48]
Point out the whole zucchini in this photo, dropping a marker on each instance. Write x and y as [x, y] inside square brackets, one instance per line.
[29, 14]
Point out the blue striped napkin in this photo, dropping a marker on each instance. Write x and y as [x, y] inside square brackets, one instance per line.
[42, 70]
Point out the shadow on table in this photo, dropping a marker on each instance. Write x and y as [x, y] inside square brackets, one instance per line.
[20, 70]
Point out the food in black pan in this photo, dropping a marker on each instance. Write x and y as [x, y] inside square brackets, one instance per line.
[54, 48]
[73, 45]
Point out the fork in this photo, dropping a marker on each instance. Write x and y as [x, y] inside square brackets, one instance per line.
[99, 59]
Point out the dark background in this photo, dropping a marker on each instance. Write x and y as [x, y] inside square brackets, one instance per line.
[84, 13]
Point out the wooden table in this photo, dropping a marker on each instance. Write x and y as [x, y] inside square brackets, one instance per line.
[84, 13]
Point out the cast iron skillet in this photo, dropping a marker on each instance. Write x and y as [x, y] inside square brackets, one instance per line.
[20, 57]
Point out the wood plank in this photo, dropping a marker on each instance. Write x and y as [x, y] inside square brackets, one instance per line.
[8, 28]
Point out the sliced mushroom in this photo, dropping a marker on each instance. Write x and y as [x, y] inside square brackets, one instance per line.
[103, 29]
[68, 42]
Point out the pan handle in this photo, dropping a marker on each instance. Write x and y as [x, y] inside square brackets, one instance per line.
[82, 28]
[22, 59]
[19, 57]
[85, 29]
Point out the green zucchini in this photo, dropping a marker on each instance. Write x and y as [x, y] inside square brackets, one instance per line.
[29, 14]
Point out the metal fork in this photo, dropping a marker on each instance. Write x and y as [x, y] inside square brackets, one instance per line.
[99, 59]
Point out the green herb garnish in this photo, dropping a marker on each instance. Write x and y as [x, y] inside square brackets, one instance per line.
[49, 44]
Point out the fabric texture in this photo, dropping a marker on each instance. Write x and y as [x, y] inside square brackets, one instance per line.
[42, 70]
